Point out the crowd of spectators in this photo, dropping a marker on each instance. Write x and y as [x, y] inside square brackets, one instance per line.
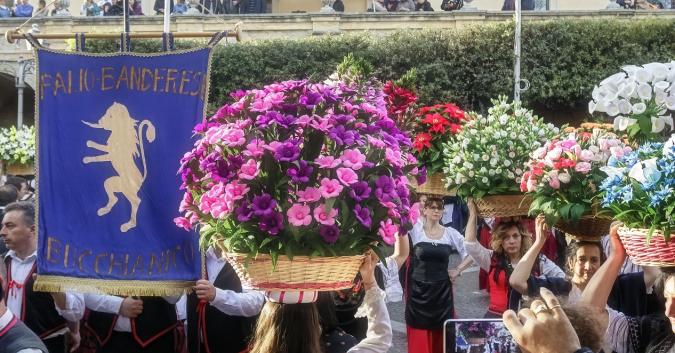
[23, 8]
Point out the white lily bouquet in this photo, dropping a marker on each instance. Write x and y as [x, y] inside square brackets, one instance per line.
[640, 99]
[17, 146]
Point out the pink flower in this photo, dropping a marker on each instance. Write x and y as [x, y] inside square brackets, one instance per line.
[249, 170]
[554, 154]
[554, 183]
[531, 184]
[298, 215]
[617, 152]
[576, 150]
[309, 195]
[233, 137]
[303, 120]
[583, 167]
[327, 162]
[220, 208]
[539, 153]
[255, 148]
[568, 144]
[393, 157]
[186, 203]
[323, 217]
[414, 214]
[235, 191]
[353, 158]
[376, 142]
[330, 188]
[586, 156]
[388, 231]
[347, 176]
[183, 222]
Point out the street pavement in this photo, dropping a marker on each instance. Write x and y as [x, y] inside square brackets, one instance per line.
[469, 303]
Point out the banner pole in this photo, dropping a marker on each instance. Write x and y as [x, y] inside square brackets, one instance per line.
[126, 17]
[167, 16]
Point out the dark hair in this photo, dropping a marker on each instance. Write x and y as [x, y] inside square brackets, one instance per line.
[8, 194]
[326, 307]
[27, 209]
[432, 201]
[585, 325]
[572, 253]
[16, 181]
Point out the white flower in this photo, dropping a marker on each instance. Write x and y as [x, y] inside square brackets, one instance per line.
[614, 79]
[493, 162]
[624, 106]
[491, 172]
[643, 75]
[512, 154]
[628, 90]
[639, 108]
[612, 109]
[644, 91]
[668, 119]
[659, 71]
[250, 237]
[484, 180]
[564, 177]
[486, 157]
[471, 174]
[661, 86]
[621, 123]
[519, 171]
[669, 144]
[660, 98]
[507, 162]
[670, 101]
[511, 175]
[503, 119]
[657, 124]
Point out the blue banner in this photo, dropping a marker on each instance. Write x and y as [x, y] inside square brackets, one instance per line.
[111, 132]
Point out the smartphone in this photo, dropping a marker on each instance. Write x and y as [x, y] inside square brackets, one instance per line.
[477, 336]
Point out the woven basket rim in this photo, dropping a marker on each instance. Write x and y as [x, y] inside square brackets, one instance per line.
[641, 230]
[284, 257]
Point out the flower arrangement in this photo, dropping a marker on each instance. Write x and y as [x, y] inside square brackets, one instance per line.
[639, 187]
[489, 154]
[17, 146]
[401, 100]
[564, 175]
[436, 125]
[638, 98]
[299, 168]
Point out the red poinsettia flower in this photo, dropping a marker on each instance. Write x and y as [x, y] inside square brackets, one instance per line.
[453, 111]
[422, 141]
[437, 122]
[398, 98]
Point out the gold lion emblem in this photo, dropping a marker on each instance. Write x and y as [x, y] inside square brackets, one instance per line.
[121, 149]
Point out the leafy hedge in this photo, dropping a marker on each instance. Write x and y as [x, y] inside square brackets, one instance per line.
[562, 59]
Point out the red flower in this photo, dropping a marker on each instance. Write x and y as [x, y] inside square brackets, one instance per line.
[422, 141]
[437, 122]
[454, 111]
[398, 98]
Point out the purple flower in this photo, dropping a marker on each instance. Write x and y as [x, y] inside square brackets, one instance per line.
[343, 119]
[243, 212]
[341, 136]
[359, 191]
[263, 205]
[310, 99]
[301, 173]
[384, 188]
[363, 215]
[287, 151]
[421, 176]
[272, 223]
[285, 120]
[330, 234]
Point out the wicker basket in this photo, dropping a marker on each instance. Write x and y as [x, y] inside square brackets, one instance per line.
[19, 169]
[435, 185]
[300, 274]
[590, 228]
[655, 253]
[503, 205]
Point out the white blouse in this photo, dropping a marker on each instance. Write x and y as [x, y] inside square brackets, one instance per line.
[378, 337]
[483, 258]
[450, 237]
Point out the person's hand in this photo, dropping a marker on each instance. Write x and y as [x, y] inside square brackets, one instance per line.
[205, 290]
[473, 210]
[540, 229]
[73, 339]
[453, 274]
[131, 307]
[617, 248]
[367, 270]
[544, 328]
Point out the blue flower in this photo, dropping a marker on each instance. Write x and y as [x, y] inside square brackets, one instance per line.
[627, 193]
[610, 182]
[661, 195]
[629, 159]
[612, 161]
[649, 147]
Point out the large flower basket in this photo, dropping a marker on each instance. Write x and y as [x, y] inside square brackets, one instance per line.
[300, 274]
[434, 185]
[19, 169]
[503, 205]
[589, 227]
[655, 252]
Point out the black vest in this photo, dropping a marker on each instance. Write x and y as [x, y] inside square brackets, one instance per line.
[16, 336]
[222, 333]
[38, 311]
[157, 319]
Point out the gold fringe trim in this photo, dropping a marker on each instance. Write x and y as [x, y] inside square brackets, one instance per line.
[46, 283]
